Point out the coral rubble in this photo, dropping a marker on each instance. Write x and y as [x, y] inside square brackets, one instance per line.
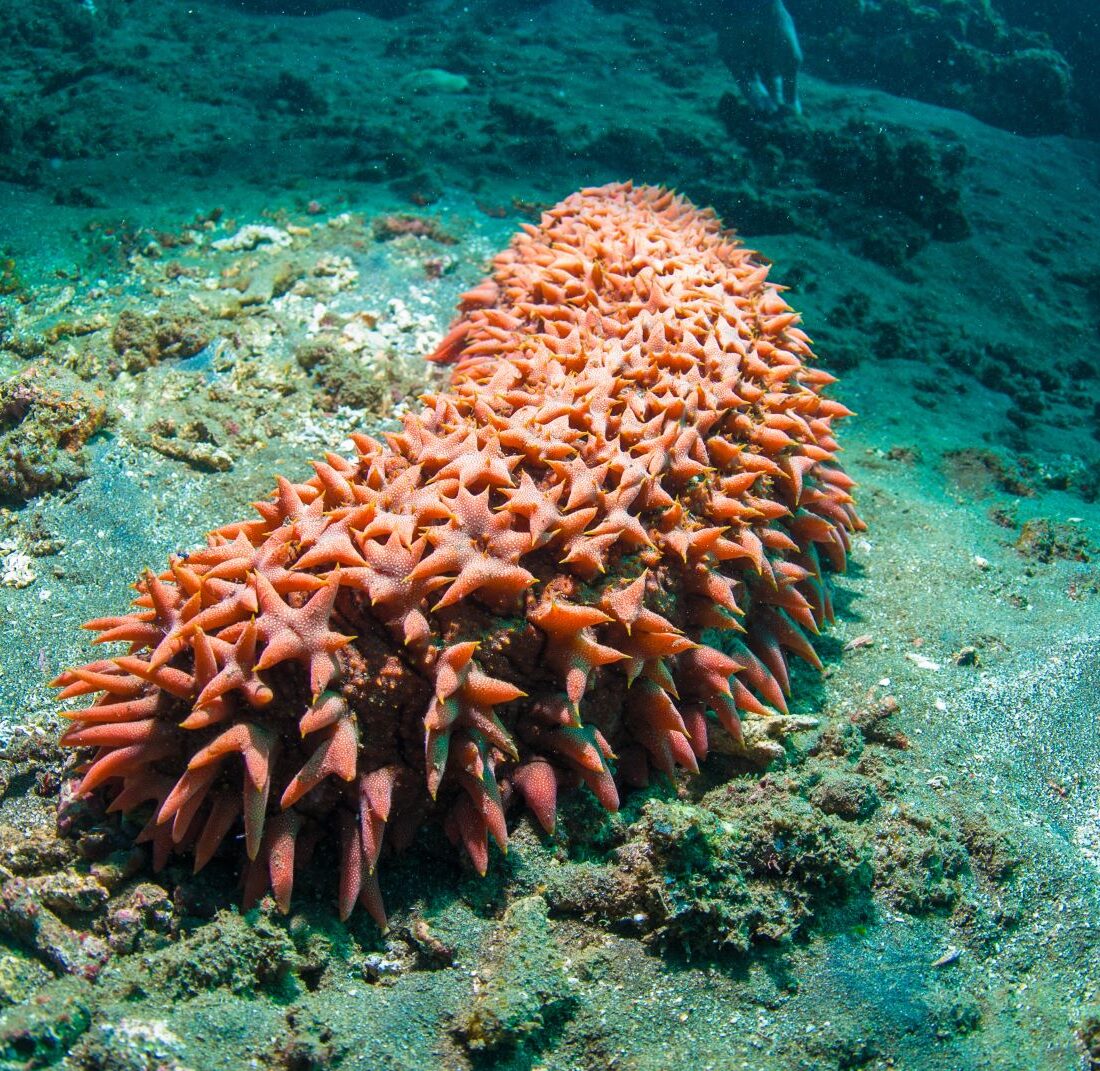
[578, 565]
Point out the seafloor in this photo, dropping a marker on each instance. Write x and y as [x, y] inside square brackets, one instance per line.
[229, 238]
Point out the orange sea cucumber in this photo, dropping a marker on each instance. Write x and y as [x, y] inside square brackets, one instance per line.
[590, 553]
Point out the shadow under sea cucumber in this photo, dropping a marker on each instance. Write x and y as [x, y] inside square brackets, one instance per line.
[583, 561]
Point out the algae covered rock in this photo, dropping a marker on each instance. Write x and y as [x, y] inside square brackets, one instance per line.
[1000, 71]
[529, 992]
[143, 339]
[920, 864]
[845, 795]
[141, 918]
[130, 1044]
[241, 955]
[20, 978]
[40, 1032]
[724, 879]
[44, 425]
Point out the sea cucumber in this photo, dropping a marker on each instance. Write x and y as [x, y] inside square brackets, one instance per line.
[588, 556]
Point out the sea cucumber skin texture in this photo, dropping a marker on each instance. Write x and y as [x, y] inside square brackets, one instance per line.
[596, 550]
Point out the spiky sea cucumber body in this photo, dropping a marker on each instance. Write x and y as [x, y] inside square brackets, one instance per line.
[590, 553]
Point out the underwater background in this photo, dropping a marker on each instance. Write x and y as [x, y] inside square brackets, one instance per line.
[230, 233]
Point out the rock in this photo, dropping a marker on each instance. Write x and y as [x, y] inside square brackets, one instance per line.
[435, 80]
[44, 425]
[24, 918]
[847, 796]
[529, 990]
[41, 1032]
[174, 330]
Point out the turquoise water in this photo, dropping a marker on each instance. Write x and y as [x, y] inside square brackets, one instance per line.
[230, 234]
